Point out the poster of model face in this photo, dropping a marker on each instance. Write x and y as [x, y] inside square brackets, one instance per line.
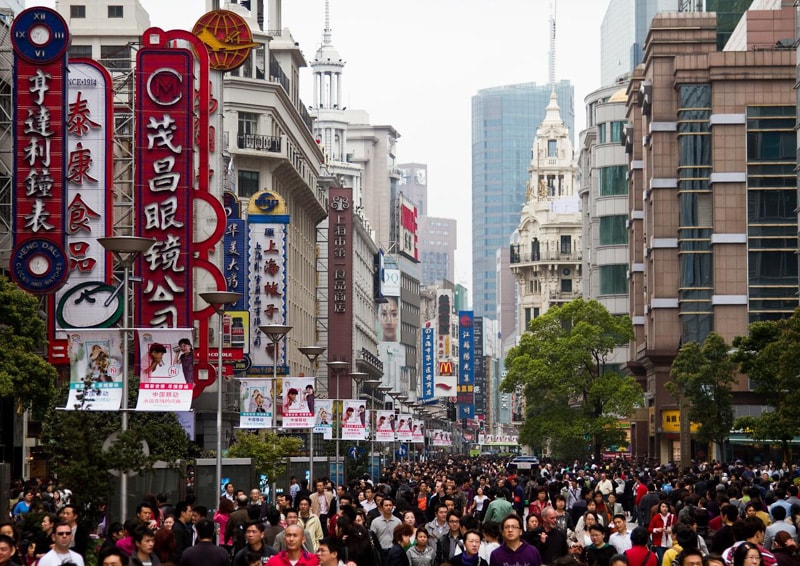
[418, 431]
[404, 428]
[255, 403]
[354, 420]
[323, 420]
[95, 379]
[298, 402]
[163, 385]
[384, 426]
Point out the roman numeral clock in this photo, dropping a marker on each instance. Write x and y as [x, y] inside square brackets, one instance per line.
[40, 35]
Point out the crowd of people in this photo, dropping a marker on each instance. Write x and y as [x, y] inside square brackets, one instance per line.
[454, 512]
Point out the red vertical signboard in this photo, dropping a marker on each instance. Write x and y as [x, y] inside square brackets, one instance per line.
[164, 155]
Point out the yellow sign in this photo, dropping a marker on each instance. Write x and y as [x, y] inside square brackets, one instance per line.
[671, 422]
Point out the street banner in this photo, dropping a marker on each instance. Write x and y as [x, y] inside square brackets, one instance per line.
[428, 361]
[442, 438]
[298, 402]
[384, 426]
[95, 378]
[418, 431]
[404, 428]
[163, 386]
[323, 418]
[255, 403]
[354, 420]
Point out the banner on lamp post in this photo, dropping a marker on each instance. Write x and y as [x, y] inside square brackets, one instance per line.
[163, 385]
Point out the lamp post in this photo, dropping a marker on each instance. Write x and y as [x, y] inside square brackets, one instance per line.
[312, 353]
[125, 249]
[218, 300]
[358, 377]
[385, 389]
[336, 366]
[373, 383]
[275, 333]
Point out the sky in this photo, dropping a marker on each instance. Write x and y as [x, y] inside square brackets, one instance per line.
[415, 64]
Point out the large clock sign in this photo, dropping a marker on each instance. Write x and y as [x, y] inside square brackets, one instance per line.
[40, 35]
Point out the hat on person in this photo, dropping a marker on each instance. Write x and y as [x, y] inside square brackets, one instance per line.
[721, 487]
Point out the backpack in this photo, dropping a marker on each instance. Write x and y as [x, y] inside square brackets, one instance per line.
[378, 557]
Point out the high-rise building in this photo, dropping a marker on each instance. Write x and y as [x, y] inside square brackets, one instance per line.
[712, 202]
[437, 247]
[504, 121]
[623, 32]
[414, 184]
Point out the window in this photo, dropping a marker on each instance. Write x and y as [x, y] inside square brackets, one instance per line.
[115, 11]
[248, 123]
[116, 57]
[601, 133]
[247, 183]
[613, 231]
[616, 131]
[613, 181]
[614, 279]
[552, 148]
[566, 285]
[77, 11]
[80, 51]
[566, 244]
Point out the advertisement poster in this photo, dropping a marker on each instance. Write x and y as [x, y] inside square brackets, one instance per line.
[163, 355]
[404, 430]
[95, 363]
[323, 419]
[354, 420]
[384, 426]
[418, 431]
[298, 402]
[255, 403]
[442, 438]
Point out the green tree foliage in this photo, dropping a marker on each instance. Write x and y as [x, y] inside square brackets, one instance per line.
[24, 373]
[74, 444]
[267, 451]
[704, 376]
[573, 398]
[770, 356]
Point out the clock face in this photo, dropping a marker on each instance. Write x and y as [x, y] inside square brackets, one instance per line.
[39, 34]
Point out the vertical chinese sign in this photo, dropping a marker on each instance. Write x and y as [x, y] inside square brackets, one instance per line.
[39, 262]
[164, 157]
[466, 365]
[428, 361]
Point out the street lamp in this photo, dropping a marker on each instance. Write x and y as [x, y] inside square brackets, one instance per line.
[125, 249]
[358, 377]
[312, 353]
[275, 333]
[373, 383]
[336, 366]
[218, 300]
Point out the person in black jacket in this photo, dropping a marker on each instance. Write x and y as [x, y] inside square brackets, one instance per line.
[182, 529]
[401, 537]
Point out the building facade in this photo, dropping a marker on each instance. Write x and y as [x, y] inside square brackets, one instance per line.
[504, 121]
[712, 195]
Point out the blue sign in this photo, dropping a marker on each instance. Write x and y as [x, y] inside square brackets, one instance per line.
[466, 365]
[355, 451]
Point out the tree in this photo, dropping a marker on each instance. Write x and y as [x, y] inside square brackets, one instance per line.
[573, 397]
[704, 377]
[74, 442]
[267, 451]
[24, 373]
[770, 356]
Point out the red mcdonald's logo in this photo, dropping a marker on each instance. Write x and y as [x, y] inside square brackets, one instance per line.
[446, 368]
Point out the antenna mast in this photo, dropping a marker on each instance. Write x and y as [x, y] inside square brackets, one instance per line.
[552, 76]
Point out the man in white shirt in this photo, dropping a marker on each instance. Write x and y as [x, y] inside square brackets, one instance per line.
[60, 553]
[621, 539]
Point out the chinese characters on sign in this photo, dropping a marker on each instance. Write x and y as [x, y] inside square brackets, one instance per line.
[466, 365]
[428, 361]
[164, 184]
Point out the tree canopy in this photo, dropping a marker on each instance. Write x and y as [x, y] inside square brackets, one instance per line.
[573, 396]
[267, 450]
[770, 356]
[24, 373]
[704, 376]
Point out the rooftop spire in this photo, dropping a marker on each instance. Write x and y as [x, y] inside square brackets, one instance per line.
[552, 77]
[326, 36]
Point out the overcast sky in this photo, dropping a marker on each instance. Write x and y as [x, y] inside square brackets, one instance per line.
[415, 64]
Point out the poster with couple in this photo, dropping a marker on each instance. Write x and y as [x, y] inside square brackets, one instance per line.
[442, 438]
[166, 369]
[354, 420]
[384, 426]
[298, 402]
[418, 431]
[255, 403]
[95, 362]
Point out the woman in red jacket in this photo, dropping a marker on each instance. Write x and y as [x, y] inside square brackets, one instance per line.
[660, 528]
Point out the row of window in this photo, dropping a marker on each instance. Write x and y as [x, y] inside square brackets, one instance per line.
[615, 129]
[78, 11]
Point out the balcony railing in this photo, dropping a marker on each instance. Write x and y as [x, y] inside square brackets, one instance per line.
[270, 144]
[520, 254]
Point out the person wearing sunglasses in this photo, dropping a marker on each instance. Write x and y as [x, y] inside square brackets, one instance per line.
[60, 553]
